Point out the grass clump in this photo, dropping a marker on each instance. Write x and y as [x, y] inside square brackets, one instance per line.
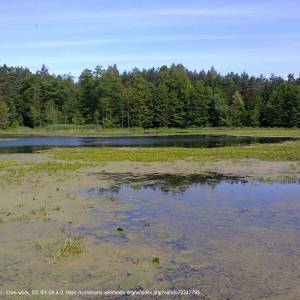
[156, 261]
[24, 217]
[43, 244]
[120, 229]
[42, 212]
[57, 208]
[72, 245]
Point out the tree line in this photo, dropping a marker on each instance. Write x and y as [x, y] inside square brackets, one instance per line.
[150, 98]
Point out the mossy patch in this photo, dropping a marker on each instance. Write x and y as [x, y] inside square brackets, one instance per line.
[270, 152]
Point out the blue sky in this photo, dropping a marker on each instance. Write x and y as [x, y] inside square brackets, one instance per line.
[70, 35]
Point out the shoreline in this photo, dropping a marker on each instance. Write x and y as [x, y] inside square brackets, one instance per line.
[117, 132]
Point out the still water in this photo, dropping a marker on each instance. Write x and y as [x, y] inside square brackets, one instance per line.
[29, 144]
[230, 238]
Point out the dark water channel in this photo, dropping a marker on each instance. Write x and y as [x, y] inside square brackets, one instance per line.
[29, 144]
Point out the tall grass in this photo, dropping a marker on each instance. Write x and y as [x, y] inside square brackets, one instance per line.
[95, 130]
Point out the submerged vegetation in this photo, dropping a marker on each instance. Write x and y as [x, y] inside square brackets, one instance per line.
[273, 152]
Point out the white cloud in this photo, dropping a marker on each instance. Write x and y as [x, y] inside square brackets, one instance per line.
[255, 10]
[150, 39]
[264, 10]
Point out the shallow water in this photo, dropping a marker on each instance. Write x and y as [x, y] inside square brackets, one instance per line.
[225, 236]
[29, 144]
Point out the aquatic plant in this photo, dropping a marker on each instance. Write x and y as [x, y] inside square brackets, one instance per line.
[43, 211]
[72, 245]
[43, 244]
[24, 217]
[90, 206]
[156, 260]
[33, 212]
[57, 208]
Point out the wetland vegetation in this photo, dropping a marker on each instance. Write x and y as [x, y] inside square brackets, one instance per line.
[153, 218]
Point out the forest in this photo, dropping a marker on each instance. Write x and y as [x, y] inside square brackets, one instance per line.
[150, 98]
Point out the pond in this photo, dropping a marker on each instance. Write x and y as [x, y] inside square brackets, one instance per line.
[228, 237]
[29, 144]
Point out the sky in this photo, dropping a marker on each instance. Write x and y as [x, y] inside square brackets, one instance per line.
[257, 36]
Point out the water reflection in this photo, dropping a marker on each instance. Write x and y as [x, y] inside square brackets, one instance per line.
[233, 238]
[207, 203]
[164, 182]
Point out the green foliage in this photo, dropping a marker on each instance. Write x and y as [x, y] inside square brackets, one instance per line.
[107, 123]
[77, 118]
[236, 110]
[3, 115]
[52, 115]
[283, 109]
[198, 112]
[164, 97]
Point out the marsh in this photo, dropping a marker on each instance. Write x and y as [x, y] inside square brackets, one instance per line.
[224, 220]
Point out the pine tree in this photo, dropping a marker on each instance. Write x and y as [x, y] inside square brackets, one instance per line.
[236, 110]
[199, 104]
[3, 115]
[283, 109]
[88, 104]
